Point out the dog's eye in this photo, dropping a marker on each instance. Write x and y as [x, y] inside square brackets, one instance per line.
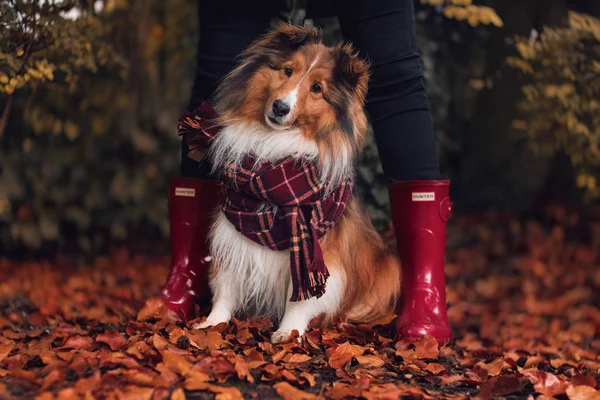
[287, 71]
[316, 88]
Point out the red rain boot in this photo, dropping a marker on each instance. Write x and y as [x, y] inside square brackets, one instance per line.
[420, 210]
[191, 203]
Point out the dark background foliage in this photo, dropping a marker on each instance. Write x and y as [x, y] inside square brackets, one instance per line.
[90, 92]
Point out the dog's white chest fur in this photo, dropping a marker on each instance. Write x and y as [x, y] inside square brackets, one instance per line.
[257, 276]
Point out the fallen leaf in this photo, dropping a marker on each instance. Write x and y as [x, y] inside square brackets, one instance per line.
[113, 339]
[176, 363]
[288, 392]
[370, 361]
[427, 347]
[78, 342]
[196, 381]
[154, 307]
[178, 394]
[340, 390]
[5, 349]
[582, 393]
[546, 383]
[278, 356]
[243, 372]
[435, 368]
[298, 358]
[138, 393]
[494, 368]
[341, 356]
[587, 380]
[505, 385]
[305, 377]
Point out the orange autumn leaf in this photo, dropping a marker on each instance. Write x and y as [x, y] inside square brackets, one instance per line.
[546, 383]
[427, 347]
[196, 381]
[178, 394]
[298, 358]
[176, 363]
[288, 392]
[243, 372]
[370, 361]
[341, 356]
[494, 368]
[582, 393]
[113, 339]
[306, 377]
[435, 368]
[138, 393]
[154, 307]
[278, 356]
[78, 342]
[5, 349]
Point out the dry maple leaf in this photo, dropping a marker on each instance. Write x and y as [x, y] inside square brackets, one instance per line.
[546, 383]
[113, 339]
[427, 347]
[297, 358]
[78, 342]
[582, 393]
[288, 392]
[5, 349]
[275, 358]
[176, 363]
[211, 340]
[178, 394]
[196, 381]
[371, 361]
[270, 373]
[494, 368]
[435, 368]
[341, 356]
[242, 370]
[306, 377]
[587, 380]
[154, 308]
[341, 390]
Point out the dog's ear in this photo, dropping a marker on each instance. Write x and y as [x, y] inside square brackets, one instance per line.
[351, 69]
[289, 37]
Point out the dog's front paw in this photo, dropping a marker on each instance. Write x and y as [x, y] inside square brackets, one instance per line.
[206, 324]
[283, 335]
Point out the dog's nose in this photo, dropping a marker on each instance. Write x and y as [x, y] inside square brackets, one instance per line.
[280, 109]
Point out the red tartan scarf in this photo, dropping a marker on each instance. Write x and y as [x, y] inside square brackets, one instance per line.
[302, 213]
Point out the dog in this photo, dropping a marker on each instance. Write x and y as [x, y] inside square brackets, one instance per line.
[291, 96]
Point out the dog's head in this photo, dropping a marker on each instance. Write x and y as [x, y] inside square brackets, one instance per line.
[288, 80]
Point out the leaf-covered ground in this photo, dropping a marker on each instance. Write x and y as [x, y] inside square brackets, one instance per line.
[524, 302]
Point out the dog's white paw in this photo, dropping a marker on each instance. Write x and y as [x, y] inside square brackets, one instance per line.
[206, 324]
[283, 335]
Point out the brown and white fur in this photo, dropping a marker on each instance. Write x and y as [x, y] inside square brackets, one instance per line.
[324, 89]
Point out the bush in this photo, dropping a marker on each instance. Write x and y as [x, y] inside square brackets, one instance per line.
[560, 111]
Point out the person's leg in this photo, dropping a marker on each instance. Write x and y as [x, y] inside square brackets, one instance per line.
[226, 28]
[398, 107]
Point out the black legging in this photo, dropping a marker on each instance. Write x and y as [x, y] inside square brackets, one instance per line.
[383, 31]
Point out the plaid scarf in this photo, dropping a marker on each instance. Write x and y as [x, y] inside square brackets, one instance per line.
[300, 215]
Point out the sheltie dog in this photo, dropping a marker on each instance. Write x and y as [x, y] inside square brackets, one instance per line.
[292, 96]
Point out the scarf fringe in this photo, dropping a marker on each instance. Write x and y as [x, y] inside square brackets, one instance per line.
[316, 288]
